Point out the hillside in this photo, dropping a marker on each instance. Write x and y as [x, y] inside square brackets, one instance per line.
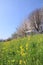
[23, 51]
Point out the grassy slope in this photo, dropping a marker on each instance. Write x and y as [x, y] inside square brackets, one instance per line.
[25, 51]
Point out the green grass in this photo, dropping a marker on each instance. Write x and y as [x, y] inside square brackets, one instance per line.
[23, 51]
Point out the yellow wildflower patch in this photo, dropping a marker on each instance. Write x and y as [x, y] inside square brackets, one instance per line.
[24, 62]
[20, 62]
[27, 46]
[21, 47]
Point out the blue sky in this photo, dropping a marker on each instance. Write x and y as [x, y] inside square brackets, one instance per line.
[13, 12]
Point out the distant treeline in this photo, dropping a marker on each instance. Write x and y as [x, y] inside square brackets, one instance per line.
[33, 24]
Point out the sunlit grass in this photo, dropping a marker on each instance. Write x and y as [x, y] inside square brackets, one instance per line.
[23, 51]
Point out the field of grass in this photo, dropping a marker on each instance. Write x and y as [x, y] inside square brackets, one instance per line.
[23, 51]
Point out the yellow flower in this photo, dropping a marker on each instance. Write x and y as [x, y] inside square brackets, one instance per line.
[22, 50]
[20, 62]
[27, 46]
[24, 62]
[23, 54]
[20, 47]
